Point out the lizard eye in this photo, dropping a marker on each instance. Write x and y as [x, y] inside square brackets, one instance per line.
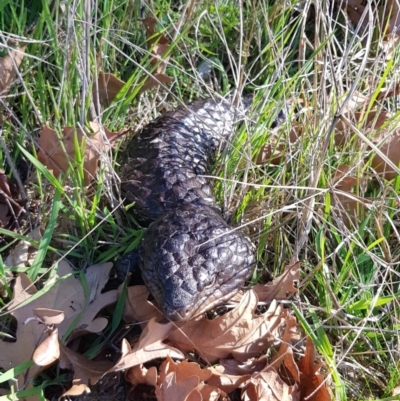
[211, 282]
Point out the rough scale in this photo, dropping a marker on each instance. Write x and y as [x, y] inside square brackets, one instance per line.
[190, 258]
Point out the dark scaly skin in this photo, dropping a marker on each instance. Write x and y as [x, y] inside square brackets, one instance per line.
[190, 259]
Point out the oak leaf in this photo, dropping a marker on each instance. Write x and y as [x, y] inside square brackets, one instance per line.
[11, 205]
[285, 353]
[68, 296]
[240, 332]
[225, 381]
[77, 388]
[388, 142]
[8, 68]
[349, 206]
[137, 307]
[312, 385]
[85, 370]
[171, 389]
[150, 346]
[158, 44]
[268, 386]
[108, 87]
[386, 15]
[275, 150]
[282, 287]
[183, 370]
[140, 375]
[57, 152]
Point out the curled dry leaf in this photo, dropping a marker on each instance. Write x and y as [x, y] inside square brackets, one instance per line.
[312, 384]
[67, 296]
[386, 15]
[49, 316]
[282, 287]
[49, 349]
[11, 204]
[183, 370]
[284, 357]
[171, 389]
[57, 152]
[268, 386]
[389, 145]
[274, 151]
[140, 375]
[8, 68]
[137, 307]
[226, 381]
[240, 332]
[24, 252]
[88, 371]
[150, 346]
[158, 44]
[350, 207]
[77, 388]
[108, 87]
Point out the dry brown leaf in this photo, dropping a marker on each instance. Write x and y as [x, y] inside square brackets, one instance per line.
[95, 326]
[239, 332]
[150, 24]
[268, 386]
[391, 149]
[345, 133]
[48, 351]
[226, 381]
[183, 370]
[77, 388]
[49, 316]
[154, 81]
[137, 307]
[171, 389]
[140, 375]
[149, 347]
[88, 371]
[11, 204]
[281, 287]
[312, 384]
[158, 44]
[58, 153]
[396, 390]
[234, 367]
[274, 152]
[24, 252]
[350, 207]
[211, 393]
[8, 68]
[108, 86]
[386, 15]
[285, 352]
[67, 296]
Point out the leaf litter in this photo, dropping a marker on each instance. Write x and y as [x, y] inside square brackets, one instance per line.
[108, 85]
[58, 152]
[239, 345]
[65, 297]
[9, 65]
